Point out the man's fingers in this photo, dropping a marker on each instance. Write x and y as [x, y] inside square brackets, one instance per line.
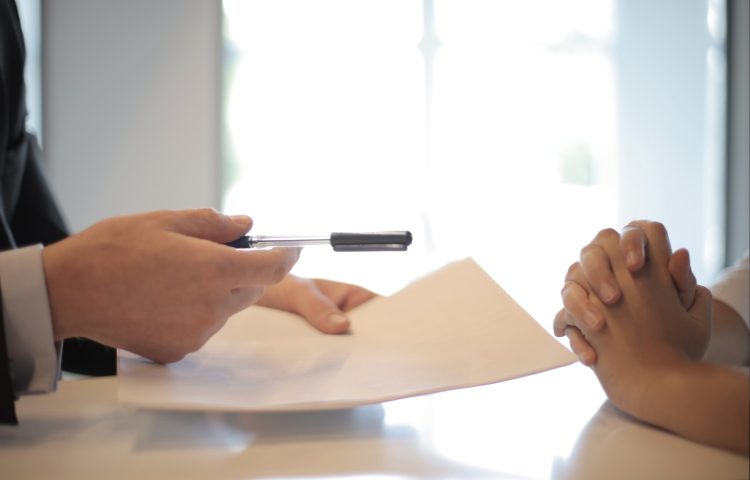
[346, 296]
[596, 268]
[683, 277]
[207, 223]
[355, 299]
[633, 242]
[576, 302]
[583, 349]
[320, 311]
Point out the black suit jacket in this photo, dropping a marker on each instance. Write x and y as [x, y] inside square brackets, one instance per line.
[28, 212]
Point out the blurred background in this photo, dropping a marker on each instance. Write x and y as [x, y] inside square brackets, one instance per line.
[508, 131]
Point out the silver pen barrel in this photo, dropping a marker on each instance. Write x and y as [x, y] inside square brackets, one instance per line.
[261, 241]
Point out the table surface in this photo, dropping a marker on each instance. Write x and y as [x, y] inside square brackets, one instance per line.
[554, 424]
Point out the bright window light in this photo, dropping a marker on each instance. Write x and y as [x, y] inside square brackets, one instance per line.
[491, 129]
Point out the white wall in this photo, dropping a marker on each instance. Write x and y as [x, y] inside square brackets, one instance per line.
[132, 105]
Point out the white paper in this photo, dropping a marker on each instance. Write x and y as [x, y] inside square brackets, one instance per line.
[454, 328]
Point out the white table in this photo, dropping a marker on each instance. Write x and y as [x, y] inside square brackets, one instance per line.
[551, 425]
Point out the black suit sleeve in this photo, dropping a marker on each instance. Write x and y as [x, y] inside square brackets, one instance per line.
[10, 56]
[7, 407]
[35, 217]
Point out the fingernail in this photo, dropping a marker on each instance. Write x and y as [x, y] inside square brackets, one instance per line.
[591, 319]
[241, 220]
[608, 293]
[631, 259]
[338, 320]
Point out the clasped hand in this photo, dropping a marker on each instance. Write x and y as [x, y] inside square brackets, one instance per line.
[632, 307]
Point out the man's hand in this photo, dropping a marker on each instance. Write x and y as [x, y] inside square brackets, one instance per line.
[321, 302]
[158, 284]
[595, 269]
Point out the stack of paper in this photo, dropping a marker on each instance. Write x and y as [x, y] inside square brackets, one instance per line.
[454, 328]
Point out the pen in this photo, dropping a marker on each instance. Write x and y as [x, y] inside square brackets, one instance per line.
[341, 242]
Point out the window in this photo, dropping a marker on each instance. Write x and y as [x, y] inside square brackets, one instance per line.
[29, 12]
[503, 130]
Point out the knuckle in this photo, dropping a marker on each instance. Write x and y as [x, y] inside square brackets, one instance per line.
[208, 214]
[607, 235]
[567, 292]
[573, 269]
[657, 228]
[588, 250]
[279, 271]
[573, 301]
[700, 289]
[632, 235]
[575, 275]
[635, 225]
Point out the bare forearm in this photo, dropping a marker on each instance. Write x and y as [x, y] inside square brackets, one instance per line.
[703, 402]
[730, 339]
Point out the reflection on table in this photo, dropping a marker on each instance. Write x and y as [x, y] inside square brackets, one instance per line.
[551, 425]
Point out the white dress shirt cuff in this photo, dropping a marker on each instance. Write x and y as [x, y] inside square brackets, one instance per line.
[33, 354]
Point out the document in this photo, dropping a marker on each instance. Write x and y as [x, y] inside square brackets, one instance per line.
[454, 328]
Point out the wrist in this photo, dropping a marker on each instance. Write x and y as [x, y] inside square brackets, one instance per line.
[639, 387]
[666, 387]
[61, 325]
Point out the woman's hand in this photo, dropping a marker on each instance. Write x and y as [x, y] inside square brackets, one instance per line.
[647, 331]
[595, 269]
